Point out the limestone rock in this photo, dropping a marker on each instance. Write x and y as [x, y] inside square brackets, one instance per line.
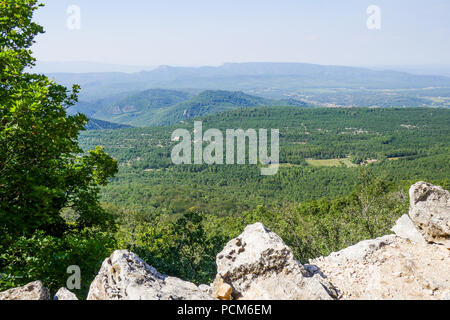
[405, 228]
[430, 212]
[32, 291]
[258, 265]
[362, 249]
[389, 267]
[64, 294]
[125, 276]
[221, 290]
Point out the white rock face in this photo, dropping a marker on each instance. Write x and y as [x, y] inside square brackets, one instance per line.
[32, 291]
[125, 276]
[405, 228]
[430, 212]
[389, 267]
[64, 294]
[409, 265]
[258, 265]
[362, 249]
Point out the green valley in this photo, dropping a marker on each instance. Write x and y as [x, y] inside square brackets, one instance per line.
[147, 180]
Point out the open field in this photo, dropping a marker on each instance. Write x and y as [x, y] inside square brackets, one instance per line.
[331, 162]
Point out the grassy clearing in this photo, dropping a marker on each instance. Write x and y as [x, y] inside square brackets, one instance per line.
[288, 165]
[331, 162]
[395, 158]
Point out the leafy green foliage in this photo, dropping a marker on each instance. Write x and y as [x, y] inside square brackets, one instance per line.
[176, 245]
[181, 247]
[41, 170]
[45, 257]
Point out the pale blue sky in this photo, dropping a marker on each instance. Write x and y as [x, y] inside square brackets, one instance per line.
[210, 32]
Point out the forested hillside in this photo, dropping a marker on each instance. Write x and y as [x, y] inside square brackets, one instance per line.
[402, 144]
[216, 101]
[162, 107]
[95, 124]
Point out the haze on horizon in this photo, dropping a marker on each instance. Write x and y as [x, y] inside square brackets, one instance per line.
[201, 32]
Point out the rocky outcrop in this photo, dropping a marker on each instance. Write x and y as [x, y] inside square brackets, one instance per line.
[64, 294]
[32, 291]
[430, 212]
[389, 267]
[258, 265]
[413, 263]
[125, 276]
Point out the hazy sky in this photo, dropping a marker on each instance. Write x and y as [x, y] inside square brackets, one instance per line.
[210, 32]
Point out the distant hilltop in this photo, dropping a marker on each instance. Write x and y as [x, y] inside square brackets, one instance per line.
[334, 85]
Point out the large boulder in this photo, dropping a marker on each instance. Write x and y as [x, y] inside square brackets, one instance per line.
[32, 291]
[430, 212]
[125, 276]
[64, 294]
[258, 265]
[390, 267]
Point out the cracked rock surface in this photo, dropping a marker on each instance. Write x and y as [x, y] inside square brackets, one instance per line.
[258, 265]
[430, 212]
[32, 291]
[125, 276]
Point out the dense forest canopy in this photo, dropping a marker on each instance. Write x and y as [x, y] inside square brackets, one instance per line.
[399, 143]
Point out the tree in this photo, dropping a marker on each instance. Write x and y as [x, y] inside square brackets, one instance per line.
[41, 171]
[179, 246]
[373, 199]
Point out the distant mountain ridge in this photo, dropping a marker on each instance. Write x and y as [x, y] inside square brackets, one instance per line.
[258, 78]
